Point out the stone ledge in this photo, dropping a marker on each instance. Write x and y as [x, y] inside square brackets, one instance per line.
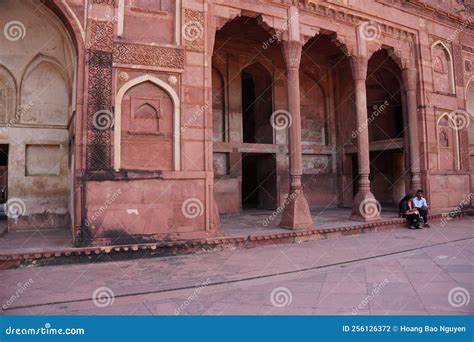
[159, 249]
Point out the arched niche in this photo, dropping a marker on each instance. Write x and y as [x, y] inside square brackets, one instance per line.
[45, 92]
[7, 96]
[218, 106]
[146, 118]
[39, 128]
[147, 92]
[442, 64]
[470, 110]
[448, 143]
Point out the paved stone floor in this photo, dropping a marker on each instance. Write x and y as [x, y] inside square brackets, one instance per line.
[250, 222]
[398, 271]
[261, 222]
[35, 240]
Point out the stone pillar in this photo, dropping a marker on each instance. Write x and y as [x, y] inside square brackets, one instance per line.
[409, 81]
[365, 206]
[296, 214]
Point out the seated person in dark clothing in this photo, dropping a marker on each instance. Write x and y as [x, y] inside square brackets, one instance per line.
[420, 204]
[407, 211]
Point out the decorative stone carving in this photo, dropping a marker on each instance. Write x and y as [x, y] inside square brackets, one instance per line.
[442, 75]
[99, 95]
[172, 80]
[101, 35]
[123, 76]
[464, 149]
[147, 55]
[342, 15]
[145, 115]
[292, 54]
[316, 164]
[104, 2]
[193, 30]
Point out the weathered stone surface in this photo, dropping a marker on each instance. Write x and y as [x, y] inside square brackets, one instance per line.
[229, 107]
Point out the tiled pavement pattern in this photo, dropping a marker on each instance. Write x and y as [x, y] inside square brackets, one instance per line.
[417, 281]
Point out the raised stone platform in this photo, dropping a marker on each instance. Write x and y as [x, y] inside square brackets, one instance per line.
[239, 231]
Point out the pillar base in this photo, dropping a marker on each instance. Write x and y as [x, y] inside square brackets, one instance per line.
[296, 214]
[365, 208]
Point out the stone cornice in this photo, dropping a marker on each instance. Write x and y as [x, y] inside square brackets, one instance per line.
[419, 8]
[349, 17]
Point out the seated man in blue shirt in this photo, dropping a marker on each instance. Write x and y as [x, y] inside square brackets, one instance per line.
[419, 202]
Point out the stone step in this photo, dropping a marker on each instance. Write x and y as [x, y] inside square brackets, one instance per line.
[168, 248]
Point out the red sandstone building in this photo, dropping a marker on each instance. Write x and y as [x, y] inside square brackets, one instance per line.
[147, 118]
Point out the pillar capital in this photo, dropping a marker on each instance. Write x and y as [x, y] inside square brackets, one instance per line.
[409, 76]
[359, 67]
[292, 53]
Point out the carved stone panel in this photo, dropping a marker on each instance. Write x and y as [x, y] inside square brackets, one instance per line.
[441, 69]
[193, 30]
[147, 128]
[144, 115]
[99, 115]
[316, 164]
[148, 55]
[101, 35]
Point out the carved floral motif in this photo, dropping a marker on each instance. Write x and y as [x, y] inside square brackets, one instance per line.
[193, 30]
[101, 35]
[157, 56]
